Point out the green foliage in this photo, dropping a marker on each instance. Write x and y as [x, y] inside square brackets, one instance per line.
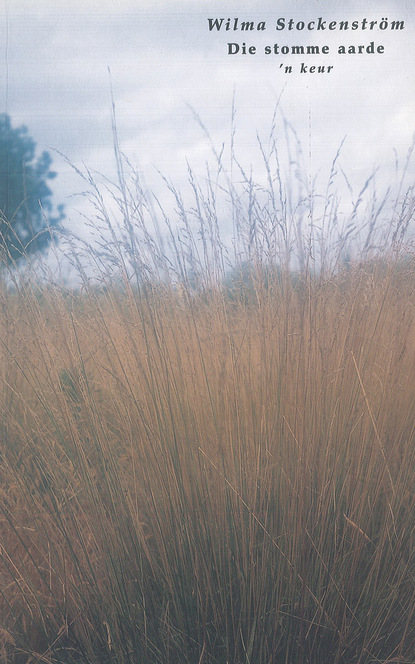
[25, 197]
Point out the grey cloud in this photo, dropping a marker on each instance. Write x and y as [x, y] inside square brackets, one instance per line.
[162, 58]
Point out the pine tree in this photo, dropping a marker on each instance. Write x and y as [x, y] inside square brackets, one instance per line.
[26, 211]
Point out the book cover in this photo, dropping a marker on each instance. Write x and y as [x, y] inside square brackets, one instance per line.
[207, 332]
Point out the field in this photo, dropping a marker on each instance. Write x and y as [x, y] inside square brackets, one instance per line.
[204, 465]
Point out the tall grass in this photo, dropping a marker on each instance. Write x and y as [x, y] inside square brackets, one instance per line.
[205, 463]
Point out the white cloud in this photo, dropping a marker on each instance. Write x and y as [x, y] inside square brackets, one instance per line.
[162, 58]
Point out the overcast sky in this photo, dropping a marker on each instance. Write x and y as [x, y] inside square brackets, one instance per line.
[55, 57]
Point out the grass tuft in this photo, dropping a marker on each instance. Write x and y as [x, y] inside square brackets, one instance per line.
[209, 458]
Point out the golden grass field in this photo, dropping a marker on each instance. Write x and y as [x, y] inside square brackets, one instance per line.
[225, 476]
[204, 464]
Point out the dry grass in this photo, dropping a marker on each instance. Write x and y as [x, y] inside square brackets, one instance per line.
[220, 473]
